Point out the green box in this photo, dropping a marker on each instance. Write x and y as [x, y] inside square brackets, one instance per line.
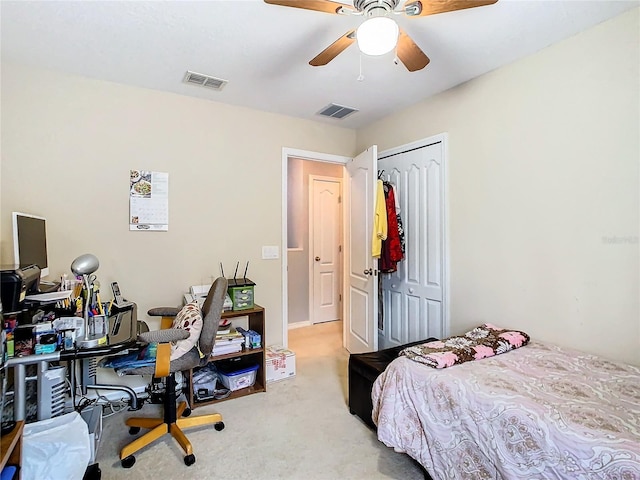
[241, 291]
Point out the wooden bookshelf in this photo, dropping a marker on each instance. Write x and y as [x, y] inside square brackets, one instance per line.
[247, 356]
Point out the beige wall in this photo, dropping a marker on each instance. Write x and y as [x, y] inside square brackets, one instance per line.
[68, 144]
[544, 161]
[299, 274]
[544, 169]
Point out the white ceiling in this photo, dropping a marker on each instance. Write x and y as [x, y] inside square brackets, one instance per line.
[264, 50]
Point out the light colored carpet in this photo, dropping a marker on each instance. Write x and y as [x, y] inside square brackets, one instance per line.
[300, 428]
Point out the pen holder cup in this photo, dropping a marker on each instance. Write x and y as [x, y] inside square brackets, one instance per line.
[98, 325]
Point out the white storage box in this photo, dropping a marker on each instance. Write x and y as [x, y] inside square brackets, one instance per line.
[238, 379]
[281, 363]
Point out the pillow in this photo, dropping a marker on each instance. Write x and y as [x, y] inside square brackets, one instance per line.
[484, 341]
[189, 318]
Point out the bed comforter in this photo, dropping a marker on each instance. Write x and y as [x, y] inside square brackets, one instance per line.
[538, 412]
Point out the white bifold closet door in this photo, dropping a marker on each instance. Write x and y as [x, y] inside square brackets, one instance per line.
[414, 297]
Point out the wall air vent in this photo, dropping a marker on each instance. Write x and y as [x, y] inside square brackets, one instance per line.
[336, 111]
[206, 81]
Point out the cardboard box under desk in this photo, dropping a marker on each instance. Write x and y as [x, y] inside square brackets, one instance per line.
[280, 363]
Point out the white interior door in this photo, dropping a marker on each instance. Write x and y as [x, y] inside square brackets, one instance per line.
[325, 257]
[361, 295]
[414, 297]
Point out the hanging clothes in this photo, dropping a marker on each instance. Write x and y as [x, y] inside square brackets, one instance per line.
[403, 245]
[391, 251]
[380, 305]
[379, 221]
[400, 227]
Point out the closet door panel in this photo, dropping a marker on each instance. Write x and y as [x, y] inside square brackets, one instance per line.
[397, 310]
[417, 176]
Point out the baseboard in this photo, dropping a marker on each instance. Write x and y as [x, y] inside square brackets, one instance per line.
[291, 326]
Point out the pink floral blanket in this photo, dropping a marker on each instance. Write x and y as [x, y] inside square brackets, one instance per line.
[482, 342]
[541, 412]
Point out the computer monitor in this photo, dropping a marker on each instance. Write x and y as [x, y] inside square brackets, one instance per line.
[30, 241]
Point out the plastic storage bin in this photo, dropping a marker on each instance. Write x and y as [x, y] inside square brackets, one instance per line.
[237, 379]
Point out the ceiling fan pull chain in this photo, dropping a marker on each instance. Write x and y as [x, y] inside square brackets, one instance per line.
[361, 76]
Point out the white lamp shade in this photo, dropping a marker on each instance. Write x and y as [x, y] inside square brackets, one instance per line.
[377, 36]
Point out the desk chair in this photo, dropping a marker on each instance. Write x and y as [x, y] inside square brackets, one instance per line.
[172, 423]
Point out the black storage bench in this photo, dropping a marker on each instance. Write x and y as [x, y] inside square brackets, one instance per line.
[364, 368]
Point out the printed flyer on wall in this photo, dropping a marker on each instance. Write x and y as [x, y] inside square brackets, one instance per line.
[148, 201]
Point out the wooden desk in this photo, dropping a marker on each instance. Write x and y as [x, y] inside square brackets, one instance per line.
[11, 447]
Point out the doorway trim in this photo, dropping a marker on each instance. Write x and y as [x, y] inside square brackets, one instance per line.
[302, 155]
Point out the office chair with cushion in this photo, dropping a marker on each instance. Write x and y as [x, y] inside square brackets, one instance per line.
[190, 330]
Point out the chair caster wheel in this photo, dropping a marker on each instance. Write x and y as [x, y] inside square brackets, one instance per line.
[129, 461]
[133, 431]
[187, 412]
[189, 460]
[219, 426]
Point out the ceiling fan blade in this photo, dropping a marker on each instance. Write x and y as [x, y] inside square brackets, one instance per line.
[431, 7]
[410, 54]
[326, 6]
[333, 50]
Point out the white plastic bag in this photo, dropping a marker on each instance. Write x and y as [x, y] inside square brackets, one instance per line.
[56, 449]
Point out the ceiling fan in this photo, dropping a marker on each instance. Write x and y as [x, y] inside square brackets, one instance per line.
[379, 33]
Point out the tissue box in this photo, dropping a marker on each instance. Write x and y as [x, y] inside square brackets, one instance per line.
[281, 363]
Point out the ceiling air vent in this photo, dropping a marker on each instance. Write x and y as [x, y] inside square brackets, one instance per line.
[336, 111]
[204, 80]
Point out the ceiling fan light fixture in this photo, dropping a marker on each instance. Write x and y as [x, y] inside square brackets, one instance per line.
[377, 36]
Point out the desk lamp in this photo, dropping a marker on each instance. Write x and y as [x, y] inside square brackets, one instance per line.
[85, 265]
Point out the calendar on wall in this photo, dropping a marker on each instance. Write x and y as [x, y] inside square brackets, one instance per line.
[148, 201]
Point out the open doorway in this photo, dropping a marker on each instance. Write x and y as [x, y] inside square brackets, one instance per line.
[314, 242]
[297, 267]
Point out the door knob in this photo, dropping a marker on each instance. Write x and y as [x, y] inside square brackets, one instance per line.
[393, 285]
[411, 290]
[317, 259]
[368, 271]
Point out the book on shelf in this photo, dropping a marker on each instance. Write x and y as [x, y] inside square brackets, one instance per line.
[226, 348]
[231, 334]
[228, 343]
[224, 327]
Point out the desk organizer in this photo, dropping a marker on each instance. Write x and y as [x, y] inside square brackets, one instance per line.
[241, 292]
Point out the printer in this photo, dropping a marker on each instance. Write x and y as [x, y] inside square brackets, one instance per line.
[198, 293]
[16, 284]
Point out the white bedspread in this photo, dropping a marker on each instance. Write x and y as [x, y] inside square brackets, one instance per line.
[538, 412]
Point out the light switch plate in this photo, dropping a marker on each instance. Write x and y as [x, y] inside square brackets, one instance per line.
[270, 252]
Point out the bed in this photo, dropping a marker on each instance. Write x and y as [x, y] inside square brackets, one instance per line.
[535, 412]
